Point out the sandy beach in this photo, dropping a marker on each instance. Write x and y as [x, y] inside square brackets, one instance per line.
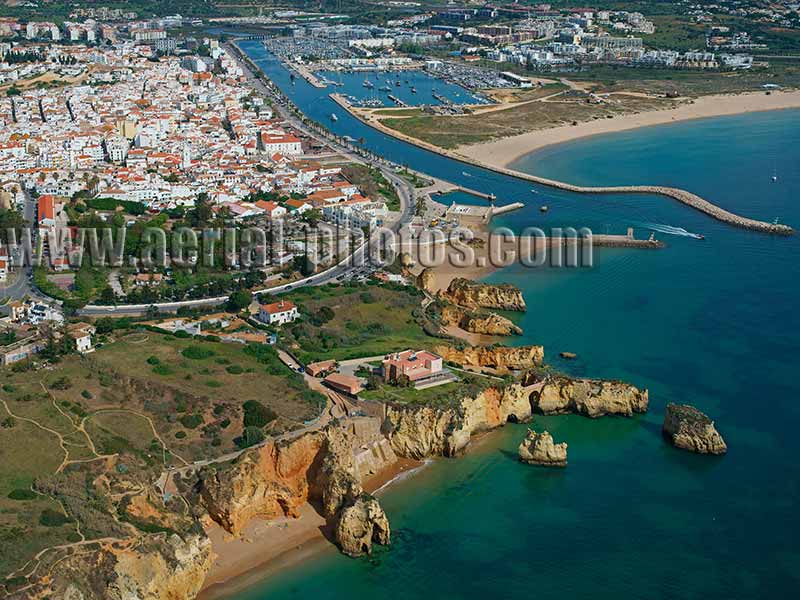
[265, 547]
[503, 152]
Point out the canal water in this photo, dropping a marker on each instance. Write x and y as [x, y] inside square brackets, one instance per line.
[713, 323]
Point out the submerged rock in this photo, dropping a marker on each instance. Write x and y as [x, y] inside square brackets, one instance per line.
[539, 449]
[361, 524]
[689, 429]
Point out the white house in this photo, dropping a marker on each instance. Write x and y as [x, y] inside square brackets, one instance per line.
[82, 334]
[278, 313]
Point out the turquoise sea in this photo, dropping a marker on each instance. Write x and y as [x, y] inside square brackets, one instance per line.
[714, 323]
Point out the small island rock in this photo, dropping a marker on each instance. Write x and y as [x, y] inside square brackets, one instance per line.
[361, 524]
[688, 428]
[539, 449]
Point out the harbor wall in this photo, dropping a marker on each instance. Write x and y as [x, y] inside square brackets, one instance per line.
[684, 197]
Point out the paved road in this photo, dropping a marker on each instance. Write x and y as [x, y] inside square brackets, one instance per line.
[20, 284]
[345, 268]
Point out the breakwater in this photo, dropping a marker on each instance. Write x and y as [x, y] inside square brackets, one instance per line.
[683, 196]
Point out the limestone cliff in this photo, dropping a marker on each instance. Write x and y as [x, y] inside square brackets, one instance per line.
[689, 429]
[556, 395]
[360, 524]
[268, 482]
[158, 567]
[539, 449]
[275, 479]
[501, 358]
[471, 294]
[421, 431]
[482, 323]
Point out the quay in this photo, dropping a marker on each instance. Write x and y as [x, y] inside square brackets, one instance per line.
[483, 214]
[306, 74]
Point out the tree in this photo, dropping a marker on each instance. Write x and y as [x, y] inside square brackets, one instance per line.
[9, 336]
[257, 415]
[373, 382]
[239, 300]
[312, 217]
[250, 437]
[104, 325]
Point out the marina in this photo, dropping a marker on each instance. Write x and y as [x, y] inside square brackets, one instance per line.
[414, 88]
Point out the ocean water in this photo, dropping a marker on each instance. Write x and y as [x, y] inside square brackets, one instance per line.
[713, 323]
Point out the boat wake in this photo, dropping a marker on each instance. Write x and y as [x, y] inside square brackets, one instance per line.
[670, 230]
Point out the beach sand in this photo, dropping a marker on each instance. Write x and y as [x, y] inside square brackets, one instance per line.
[266, 547]
[503, 152]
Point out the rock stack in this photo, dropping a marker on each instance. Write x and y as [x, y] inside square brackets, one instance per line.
[539, 449]
[689, 429]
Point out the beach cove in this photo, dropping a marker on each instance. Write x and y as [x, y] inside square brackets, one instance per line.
[709, 323]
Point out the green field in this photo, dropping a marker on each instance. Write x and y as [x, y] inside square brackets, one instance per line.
[441, 395]
[78, 436]
[367, 321]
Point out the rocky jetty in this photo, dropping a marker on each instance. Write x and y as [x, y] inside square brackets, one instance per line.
[362, 523]
[474, 295]
[539, 449]
[157, 567]
[421, 431]
[475, 322]
[500, 358]
[557, 395]
[689, 429]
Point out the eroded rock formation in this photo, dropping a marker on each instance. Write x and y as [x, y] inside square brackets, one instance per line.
[539, 449]
[426, 280]
[482, 323]
[360, 524]
[275, 479]
[689, 429]
[557, 395]
[471, 294]
[267, 482]
[421, 431]
[501, 358]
